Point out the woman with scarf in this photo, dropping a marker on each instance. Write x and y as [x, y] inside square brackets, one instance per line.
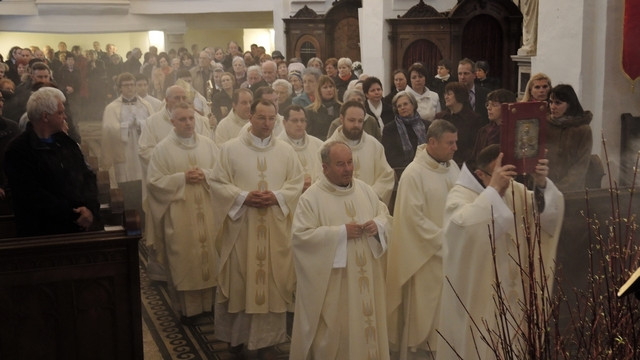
[569, 139]
[324, 109]
[375, 106]
[402, 136]
[345, 75]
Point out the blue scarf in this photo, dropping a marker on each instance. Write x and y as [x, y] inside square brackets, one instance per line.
[419, 129]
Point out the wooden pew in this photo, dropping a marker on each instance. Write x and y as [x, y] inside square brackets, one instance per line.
[73, 296]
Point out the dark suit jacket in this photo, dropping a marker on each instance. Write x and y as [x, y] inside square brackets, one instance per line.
[480, 108]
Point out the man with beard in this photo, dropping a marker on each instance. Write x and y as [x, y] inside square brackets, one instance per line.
[369, 162]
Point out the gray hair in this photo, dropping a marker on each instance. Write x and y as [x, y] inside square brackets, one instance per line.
[236, 59]
[315, 60]
[44, 100]
[312, 71]
[409, 96]
[345, 61]
[438, 127]
[325, 151]
[353, 91]
[255, 68]
[285, 83]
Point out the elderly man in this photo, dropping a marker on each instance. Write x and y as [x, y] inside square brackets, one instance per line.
[54, 191]
[229, 127]
[369, 162]
[305, 145]
[414, 265]
[257, 185]
[122, 123]
[484, 244]
[202, 73]
[180, 175]
[268, 72]
[339, 238]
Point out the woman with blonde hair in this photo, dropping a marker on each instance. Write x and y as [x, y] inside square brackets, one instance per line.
[538, 88]
[324, 108]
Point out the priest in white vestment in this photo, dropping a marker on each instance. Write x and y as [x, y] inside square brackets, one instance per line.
[157, 127]
[414, 260]
[122, 123]
[369, 162]
[180, 175]
[142, 90]
[229, 127]
[307, 147]
[257, 185]
[485, 196]
[339, 240]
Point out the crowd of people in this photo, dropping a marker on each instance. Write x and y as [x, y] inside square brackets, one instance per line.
[265, 185]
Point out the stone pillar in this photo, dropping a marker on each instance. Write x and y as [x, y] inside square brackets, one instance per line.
[375, 47]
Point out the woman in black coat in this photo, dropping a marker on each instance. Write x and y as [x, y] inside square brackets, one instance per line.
[402, 136]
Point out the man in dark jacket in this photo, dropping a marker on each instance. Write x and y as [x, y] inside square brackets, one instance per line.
[54, 191]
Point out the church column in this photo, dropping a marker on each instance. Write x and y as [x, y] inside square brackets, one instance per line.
[281, 9]
[375, 48]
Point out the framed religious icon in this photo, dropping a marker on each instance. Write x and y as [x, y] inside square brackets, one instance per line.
[522, 134]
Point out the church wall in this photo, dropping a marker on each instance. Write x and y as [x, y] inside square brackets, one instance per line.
[213, 38]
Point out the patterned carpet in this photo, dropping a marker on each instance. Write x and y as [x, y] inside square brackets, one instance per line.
[175, 340]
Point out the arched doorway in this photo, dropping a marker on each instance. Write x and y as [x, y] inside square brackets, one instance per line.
[482, 38]
[423, 51]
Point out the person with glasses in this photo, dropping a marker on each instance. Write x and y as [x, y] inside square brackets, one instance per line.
[490, 133]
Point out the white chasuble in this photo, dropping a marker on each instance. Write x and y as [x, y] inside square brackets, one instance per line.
[183, 213]
[369, 163]
[229, 128]
[158, 126]
[414, 260]
[340, 298]
[256, 270]
[470, 211]
[307, 150]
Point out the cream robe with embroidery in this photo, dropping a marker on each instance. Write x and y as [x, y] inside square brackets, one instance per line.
[183, 213]
[340, 298]
[414, 260]
[468, 262]
[229, 127]
[307, 153]
[158, 126]
[256, 269]
[369, 164]
[116, 151]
